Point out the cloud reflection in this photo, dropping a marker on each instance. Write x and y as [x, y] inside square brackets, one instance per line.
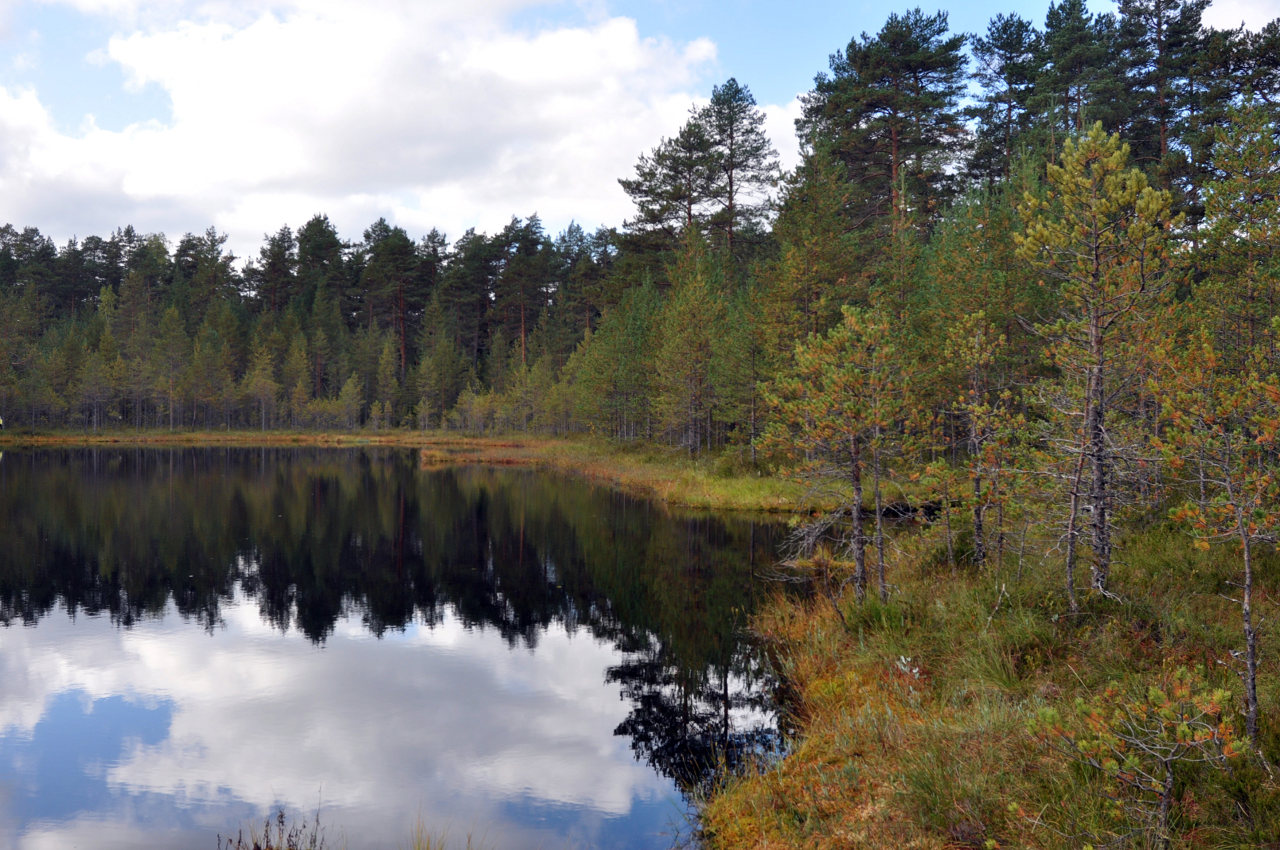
[449, 721]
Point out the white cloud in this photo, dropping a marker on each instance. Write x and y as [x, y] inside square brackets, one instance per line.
[780, 125]
[445, 722]
[1254, 14]
[433, 114]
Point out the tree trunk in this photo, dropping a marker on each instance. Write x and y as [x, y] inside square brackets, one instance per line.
[1100, 457]
[1072, 533]
[979, 533]
[859, 540]
[1250, 634]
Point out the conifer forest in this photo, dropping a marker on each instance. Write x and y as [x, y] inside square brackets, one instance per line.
[941, 183]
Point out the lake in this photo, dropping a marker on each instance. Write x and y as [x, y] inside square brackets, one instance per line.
[194, 639]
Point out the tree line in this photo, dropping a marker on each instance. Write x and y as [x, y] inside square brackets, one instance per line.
[670, 326]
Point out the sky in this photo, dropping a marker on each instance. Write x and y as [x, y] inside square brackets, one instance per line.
[247, 115]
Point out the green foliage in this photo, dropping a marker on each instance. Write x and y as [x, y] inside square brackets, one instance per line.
[710, 179]
[889, 105]
[834, 416]
[1057, 400]
[611, 373]
[687, 396]
[1239, 255]
[1103, 233]
[1144, 745]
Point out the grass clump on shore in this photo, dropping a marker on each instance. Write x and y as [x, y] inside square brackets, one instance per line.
[279, 833]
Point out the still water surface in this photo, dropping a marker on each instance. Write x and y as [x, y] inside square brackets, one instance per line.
[193, 639]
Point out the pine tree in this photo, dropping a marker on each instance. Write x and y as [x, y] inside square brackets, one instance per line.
[172, 348]
[1239, 253]
[1077, 79]
[610, 375]
[296, 379]
[210, 376]
[388, 286]
[672, 186]
[691, 317]
[744, 163]
[259, 386]
[350, 403]
[819, 262]
[274, 281]
[319, 263]
[387, 386]
[890, 112]
[443, 373]
[833, 417]
[465, 290]
[1157, 40]
[1101, 234]
[1006, 64]
[1223, 418]
[524, 283]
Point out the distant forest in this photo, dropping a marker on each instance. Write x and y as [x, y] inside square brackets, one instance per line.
[928, 165]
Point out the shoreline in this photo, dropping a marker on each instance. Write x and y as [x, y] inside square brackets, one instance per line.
[667, 475]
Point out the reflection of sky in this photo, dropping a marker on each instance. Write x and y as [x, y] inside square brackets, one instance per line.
[165, 735]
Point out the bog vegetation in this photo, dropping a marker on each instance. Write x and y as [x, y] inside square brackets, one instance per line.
[1024, 283]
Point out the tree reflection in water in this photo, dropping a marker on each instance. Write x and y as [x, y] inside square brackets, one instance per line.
[315, 536]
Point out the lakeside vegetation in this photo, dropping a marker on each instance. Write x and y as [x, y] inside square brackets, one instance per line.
[1044, 317]
[968, 711]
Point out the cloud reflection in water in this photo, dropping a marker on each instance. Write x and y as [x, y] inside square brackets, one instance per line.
[451, 722]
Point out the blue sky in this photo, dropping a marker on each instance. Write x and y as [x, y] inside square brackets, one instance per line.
[245, 115]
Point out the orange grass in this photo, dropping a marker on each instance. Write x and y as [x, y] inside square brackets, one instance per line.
[915, 716]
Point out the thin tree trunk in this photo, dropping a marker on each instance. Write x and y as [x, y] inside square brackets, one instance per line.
[1250, 634]
[1166, 805]
[859, 540]
[979, 533]
[946, 523]
[875, 473]
[1100, 455]
[1072, 533]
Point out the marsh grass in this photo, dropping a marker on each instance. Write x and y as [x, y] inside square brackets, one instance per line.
[423, 838]
[279, 833]
[915, 714]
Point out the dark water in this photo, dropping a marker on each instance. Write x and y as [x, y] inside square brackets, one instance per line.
[192, 639]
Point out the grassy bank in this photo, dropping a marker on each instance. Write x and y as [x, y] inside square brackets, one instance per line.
[666, 474]
[955, 715]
